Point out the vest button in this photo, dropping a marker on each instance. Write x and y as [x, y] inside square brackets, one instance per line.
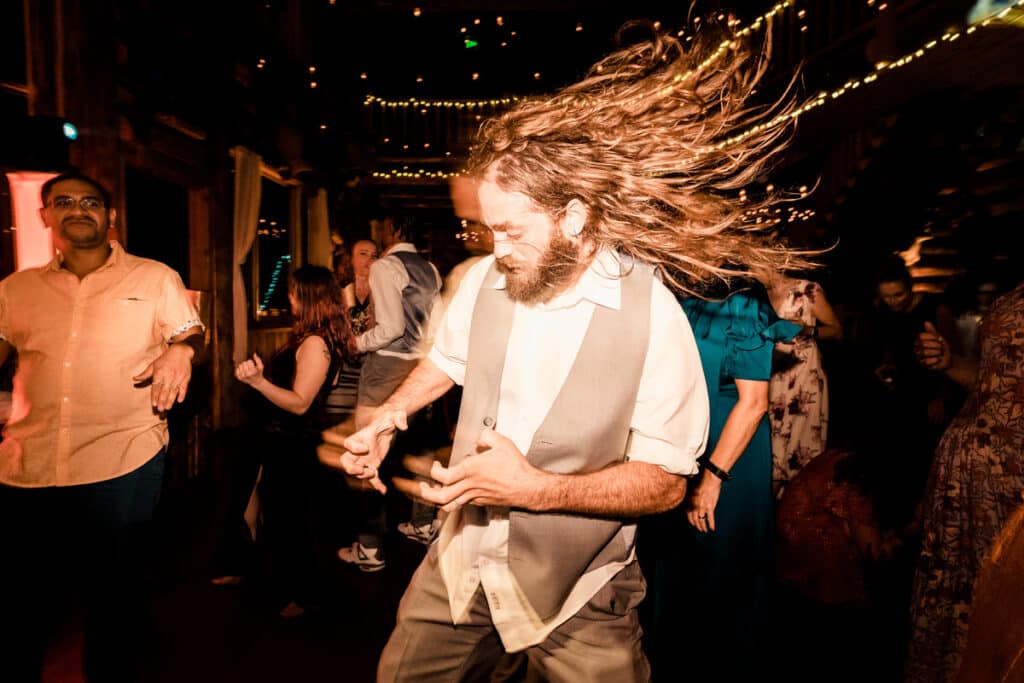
[488, 422]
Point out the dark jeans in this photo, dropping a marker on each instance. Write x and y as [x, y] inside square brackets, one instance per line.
[91, 536]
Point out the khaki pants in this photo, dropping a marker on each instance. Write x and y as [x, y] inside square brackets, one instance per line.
[600, 643]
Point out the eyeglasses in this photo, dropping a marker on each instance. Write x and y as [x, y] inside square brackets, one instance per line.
[86, 203]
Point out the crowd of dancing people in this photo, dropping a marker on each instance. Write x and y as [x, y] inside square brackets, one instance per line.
[638, 439]
[836, 538]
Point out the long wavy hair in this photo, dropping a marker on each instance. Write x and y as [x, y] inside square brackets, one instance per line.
[321, 309]
[656, 141]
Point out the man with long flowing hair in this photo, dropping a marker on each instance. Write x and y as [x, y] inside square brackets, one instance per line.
[584, 405]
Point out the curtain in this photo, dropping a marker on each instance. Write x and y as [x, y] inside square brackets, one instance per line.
[318, 247]
[246, 218]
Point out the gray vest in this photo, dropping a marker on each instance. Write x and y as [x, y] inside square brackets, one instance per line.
[587, 429]
[417, 298]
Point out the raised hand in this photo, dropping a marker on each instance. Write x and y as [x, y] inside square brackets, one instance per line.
[250, 371]
[360, 453]
[932, 350]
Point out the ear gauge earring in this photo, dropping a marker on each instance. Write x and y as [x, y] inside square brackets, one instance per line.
[576, 231]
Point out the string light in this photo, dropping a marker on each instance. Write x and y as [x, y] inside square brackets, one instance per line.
[440, 104]
[881, 69]
[416, 11]
[419, 174]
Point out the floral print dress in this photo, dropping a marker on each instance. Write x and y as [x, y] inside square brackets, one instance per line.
[976, 483]
[798, 393]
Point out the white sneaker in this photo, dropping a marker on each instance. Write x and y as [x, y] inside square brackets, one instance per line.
[367, 559]
[425, 533]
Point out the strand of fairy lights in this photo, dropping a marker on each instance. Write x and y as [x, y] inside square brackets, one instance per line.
[420, 174]
[881, 69]
[445, 104]
[722, 48]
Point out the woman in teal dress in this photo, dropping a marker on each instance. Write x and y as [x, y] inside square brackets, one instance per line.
[708, 561]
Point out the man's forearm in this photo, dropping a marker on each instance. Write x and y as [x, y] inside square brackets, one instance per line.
[628, 489]
[195, 341]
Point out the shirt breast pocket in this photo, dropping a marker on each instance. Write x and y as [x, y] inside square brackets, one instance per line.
[123, 323]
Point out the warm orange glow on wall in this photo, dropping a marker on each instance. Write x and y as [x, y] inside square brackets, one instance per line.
[33, 241]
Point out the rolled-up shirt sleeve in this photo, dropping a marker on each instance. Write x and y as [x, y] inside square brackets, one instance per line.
[175, 312]
[669, 427]
[451, 341]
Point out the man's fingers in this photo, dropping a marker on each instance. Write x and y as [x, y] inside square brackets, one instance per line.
[145, 374]
[442, 495]
[334, 437]
[488, 439]
[329, 455]
[449, 475]
[407, 486]
[930, 328]
[183, 389]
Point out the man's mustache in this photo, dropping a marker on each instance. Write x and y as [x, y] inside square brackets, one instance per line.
[78, 219]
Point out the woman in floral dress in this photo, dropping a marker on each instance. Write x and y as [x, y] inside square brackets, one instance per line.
[798, 393]
[976, 483]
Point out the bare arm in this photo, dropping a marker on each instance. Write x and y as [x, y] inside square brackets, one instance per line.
[829, 326]
[312, 360]
[740, 427]
[629, 489]
[500, 475]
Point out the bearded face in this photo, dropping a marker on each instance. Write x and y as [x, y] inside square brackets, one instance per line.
[554, 270]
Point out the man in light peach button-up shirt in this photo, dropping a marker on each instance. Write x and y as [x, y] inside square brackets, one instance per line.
[105, 343]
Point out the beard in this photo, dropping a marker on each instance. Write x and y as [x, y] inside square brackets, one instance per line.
[83, 232]
[554, 271]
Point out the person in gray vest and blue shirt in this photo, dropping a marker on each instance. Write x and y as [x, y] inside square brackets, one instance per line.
[584, 405]
[404, 287]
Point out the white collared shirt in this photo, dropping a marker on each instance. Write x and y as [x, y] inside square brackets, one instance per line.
[668, 428]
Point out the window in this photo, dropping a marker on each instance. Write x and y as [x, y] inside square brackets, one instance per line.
[274, 250]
